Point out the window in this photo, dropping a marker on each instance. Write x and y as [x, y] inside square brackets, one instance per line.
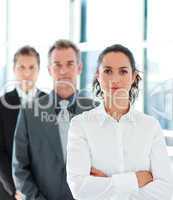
[3, 41]
[159, 56]
[39, 24]
[110, 22]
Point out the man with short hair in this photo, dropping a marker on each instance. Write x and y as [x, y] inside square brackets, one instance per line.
[26, 68]
[39, 159]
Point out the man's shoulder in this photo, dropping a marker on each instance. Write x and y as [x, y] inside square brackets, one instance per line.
[41, 93]
[10, 94]
[44, 99]
[86, 103]
[9, 98]
[44, 103]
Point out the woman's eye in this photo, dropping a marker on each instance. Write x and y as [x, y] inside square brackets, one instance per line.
[108, 71]
[123, 72]
[31, 68]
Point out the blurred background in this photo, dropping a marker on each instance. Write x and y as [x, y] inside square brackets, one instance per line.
[144, 26]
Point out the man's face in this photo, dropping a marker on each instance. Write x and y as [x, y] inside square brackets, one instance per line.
[64, 68]
[26, 71]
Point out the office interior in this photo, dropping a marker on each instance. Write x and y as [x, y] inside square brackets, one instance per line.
[144, 26]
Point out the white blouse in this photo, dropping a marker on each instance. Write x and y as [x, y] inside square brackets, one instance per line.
[119, 149]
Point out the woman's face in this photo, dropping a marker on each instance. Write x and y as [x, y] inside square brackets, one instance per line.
[115, 75]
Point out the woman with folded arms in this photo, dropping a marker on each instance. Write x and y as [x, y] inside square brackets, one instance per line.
[115, 152]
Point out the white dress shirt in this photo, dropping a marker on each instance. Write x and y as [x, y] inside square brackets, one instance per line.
[26, 97]
[119, 149]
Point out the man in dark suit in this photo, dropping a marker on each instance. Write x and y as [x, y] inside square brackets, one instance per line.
[26, 68]
[39, 159]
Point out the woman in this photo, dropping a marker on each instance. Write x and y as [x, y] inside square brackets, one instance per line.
[115, 152]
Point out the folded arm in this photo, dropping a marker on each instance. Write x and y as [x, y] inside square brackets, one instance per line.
[137, 185]
[162, 185]
[83, 184]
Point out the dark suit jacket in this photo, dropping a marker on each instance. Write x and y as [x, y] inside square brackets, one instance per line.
[38, 168]
[8, 118]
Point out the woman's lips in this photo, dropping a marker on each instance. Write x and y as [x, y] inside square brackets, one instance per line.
[115, 88]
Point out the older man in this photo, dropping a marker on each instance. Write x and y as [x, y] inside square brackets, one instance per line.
[39, 161]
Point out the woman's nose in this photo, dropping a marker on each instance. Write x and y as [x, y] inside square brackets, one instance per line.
[116, 78]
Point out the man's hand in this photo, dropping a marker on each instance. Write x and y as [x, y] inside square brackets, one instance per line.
[96, 172]
[18, 196]
[144, 177]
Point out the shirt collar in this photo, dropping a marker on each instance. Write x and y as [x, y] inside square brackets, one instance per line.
[26, 96]
[103, 115]
[71, 99]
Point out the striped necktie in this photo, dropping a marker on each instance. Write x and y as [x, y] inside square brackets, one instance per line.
[64, 121]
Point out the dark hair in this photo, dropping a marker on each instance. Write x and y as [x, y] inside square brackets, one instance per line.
[133, 93]
[28, 51]
[64, 44]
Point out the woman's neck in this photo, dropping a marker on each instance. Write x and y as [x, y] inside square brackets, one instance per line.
[117, 110]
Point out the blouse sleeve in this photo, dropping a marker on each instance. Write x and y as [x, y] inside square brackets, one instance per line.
[162, 185]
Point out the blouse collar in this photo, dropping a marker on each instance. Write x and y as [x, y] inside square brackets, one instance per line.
[103, 115]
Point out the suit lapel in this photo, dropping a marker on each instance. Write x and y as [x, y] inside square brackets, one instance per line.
[39, 93]
[78, 109]
[82, 104]
[14, 98]
[52, 130]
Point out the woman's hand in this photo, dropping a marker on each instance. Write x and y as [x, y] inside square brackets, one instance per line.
[144, 177]
[96, 172]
